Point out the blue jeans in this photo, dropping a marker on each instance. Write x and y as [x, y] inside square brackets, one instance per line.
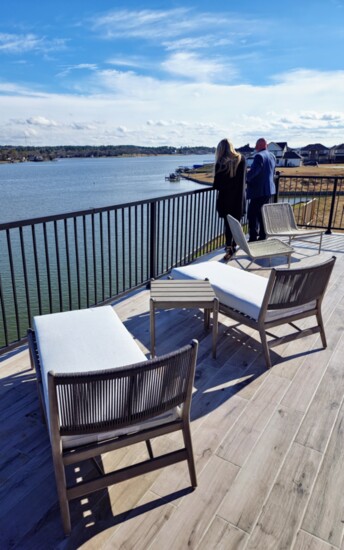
[255, 220]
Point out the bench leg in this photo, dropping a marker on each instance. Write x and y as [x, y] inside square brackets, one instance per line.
[215, 324]
[152, 326]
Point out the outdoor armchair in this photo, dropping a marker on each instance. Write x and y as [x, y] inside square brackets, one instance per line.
[286, 296]
[260, 249]
[279, 221]
[92, 409]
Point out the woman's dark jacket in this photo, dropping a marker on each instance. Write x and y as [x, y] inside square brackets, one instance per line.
[231, 191]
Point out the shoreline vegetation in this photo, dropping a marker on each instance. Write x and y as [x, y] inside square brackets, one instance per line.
[13, 154]
[205, 173]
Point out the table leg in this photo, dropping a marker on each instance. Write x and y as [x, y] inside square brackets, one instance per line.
[152, 326]
[215, 324]
[206, 318]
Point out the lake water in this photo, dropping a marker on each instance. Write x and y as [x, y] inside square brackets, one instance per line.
[71, 265]
[36, 189]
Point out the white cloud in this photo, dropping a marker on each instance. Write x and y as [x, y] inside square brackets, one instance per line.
[20, 43]
[300, 108]
[171, 23]
[133, 62]
[139, 23]
[79, 67]
[41, 121]
[81, 126]
[190, 65]
[197, 43]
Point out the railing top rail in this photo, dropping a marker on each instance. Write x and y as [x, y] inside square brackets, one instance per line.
[89, 211]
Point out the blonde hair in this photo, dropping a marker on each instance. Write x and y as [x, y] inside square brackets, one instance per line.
[227, 159]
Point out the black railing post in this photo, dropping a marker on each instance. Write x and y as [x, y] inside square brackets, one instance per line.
[152, 241]
[333, 202]
[277, 184]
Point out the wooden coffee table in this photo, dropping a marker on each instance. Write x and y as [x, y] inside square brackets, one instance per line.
[168, 294]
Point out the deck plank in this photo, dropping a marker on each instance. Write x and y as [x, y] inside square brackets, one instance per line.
[223, 536]
[191, 519]
[280, 518]
[239, 442]
[324, 514]
[305, 541]
[321, 415]
[243, 502]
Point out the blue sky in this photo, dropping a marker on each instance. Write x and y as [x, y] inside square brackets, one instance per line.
[171, 73]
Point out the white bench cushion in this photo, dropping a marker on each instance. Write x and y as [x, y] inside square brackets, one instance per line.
[82, 341]
[234, 288]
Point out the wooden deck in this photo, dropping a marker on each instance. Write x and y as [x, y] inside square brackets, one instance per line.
[269, 446]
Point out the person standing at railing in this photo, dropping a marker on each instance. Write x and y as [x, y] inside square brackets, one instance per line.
[229, 180]
[260, 187]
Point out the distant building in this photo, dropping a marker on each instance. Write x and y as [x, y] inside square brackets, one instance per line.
[337, 153]
[279, 149]
[291, 158]
[317, 152]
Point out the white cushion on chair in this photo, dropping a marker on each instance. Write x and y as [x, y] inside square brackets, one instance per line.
[234, 288]
[83, 341]
[89, 340]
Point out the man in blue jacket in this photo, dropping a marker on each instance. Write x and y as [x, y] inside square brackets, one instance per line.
[260, 187]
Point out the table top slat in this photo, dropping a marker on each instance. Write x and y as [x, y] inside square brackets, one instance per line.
[179, 293]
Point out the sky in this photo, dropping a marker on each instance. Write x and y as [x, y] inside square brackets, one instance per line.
[176, 73]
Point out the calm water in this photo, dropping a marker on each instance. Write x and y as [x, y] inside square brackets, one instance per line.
[36, 189]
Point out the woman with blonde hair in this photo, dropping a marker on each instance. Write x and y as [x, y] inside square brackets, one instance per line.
[229, 180]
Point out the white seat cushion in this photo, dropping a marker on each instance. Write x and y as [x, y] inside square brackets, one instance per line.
[83, 341]
[234, 288]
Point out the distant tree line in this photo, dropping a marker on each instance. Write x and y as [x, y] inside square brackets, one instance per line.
[23, 153]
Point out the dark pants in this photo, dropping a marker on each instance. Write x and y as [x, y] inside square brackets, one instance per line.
[229, 237]
[255, 220]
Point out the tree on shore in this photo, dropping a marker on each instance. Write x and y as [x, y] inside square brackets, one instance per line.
[20, 153]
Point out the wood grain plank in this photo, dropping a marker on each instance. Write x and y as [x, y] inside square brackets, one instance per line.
[280, 518]
[324, 514]
[305, 541]
[308, 377]
[189, 522]
[240, 440]
[316, 428]
[205, 440]
[139, 530]
[243, 502]
[223, 536]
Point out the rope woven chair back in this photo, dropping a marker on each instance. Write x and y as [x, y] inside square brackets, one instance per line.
[297, 287]
[107, 400]
[238, 234]
[278, 217]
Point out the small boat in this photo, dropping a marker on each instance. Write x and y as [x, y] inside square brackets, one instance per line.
[172, 177]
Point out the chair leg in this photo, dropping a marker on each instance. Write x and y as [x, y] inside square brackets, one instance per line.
[189, 450]
[149, 448]
[61, 485]
[266, 349]
[322, 329]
